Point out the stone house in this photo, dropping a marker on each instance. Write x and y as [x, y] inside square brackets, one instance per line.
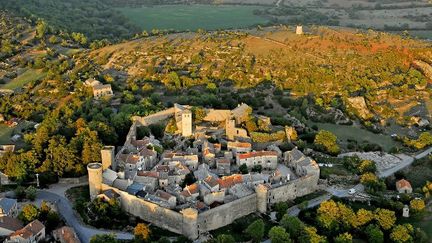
[267, 159]
[99, 90]
[190, 193]
[241, 113]
[108, 195]
[8, 207]
[223, 166]
[8, 225]
[66, 235]
[403, 186]
[33, 232]
[168, 198]
[239, 147]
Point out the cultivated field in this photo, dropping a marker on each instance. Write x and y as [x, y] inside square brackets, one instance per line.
[5, 134]
[193, 17]
[24, 78]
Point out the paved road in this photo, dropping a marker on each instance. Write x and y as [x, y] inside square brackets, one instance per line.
[65, 208]
[295, 210]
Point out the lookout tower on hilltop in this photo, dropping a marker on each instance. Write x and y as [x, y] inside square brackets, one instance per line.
[299, 30]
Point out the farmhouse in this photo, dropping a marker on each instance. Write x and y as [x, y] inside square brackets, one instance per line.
[403, 186]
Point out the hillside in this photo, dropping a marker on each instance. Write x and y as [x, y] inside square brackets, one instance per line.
[330, 64]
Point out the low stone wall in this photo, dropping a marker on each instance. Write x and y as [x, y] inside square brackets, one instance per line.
[78, 180]
[150, 212]
[225, 214]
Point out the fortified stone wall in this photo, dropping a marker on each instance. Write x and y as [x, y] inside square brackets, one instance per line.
[293, 189]
[150, 212]
[282, 193]
[225, 214]
[306, 185]
[155, 118]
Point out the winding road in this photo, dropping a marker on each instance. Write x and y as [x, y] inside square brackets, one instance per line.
[65, 208]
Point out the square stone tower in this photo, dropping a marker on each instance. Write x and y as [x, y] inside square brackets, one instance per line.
[107, 157]
[186, 123]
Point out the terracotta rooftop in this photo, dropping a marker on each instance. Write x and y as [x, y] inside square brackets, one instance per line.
[140, 143]
[189, 190]
[239, 145]
[132, 159]
[403, 184]
[229, 181]
[29, 230]
[66, 235]
[154, 174]
[223, 161]
[211, 181]
[257, 154]
[10, 223]
[163, 195]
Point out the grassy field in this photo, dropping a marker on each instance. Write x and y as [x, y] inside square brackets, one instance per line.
[193, 17]
[358, 134]
[23, 79]
[5, 134]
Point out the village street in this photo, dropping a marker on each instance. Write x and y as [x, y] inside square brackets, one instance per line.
[56, 195]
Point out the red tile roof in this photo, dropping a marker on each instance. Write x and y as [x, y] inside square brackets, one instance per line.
[29, 230]
[403, 184]
[257, 154]
[239, 145]
[163, 195]
[154, 174]
[229, 181]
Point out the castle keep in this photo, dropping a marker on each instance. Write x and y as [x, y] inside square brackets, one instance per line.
[148, 183]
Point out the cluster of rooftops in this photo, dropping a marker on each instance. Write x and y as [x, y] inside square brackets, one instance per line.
[207, 172]
[204, 176]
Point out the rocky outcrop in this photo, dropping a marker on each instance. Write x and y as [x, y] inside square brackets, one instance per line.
[424, 67]
[359, 105]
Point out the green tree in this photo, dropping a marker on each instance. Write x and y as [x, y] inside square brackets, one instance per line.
[103, 238]
[28, 213]
[223, 238]
[243, 169]
[278, 234]
[31, 193]
[343, 238]
[256, 230]
[41, 29]
[402, 233]
[293, 225]
[281, 209]
[142, 232]
[310, 235]
[327, 142]
[374, 234]
[385, 218]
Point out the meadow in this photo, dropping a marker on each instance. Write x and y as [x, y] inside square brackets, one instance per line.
[5, 134]
[358, 134]
[193, 17]
[24, 78]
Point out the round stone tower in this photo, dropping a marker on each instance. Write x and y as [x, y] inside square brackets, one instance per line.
[190, 225]
[95, 179]
[262, 192]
